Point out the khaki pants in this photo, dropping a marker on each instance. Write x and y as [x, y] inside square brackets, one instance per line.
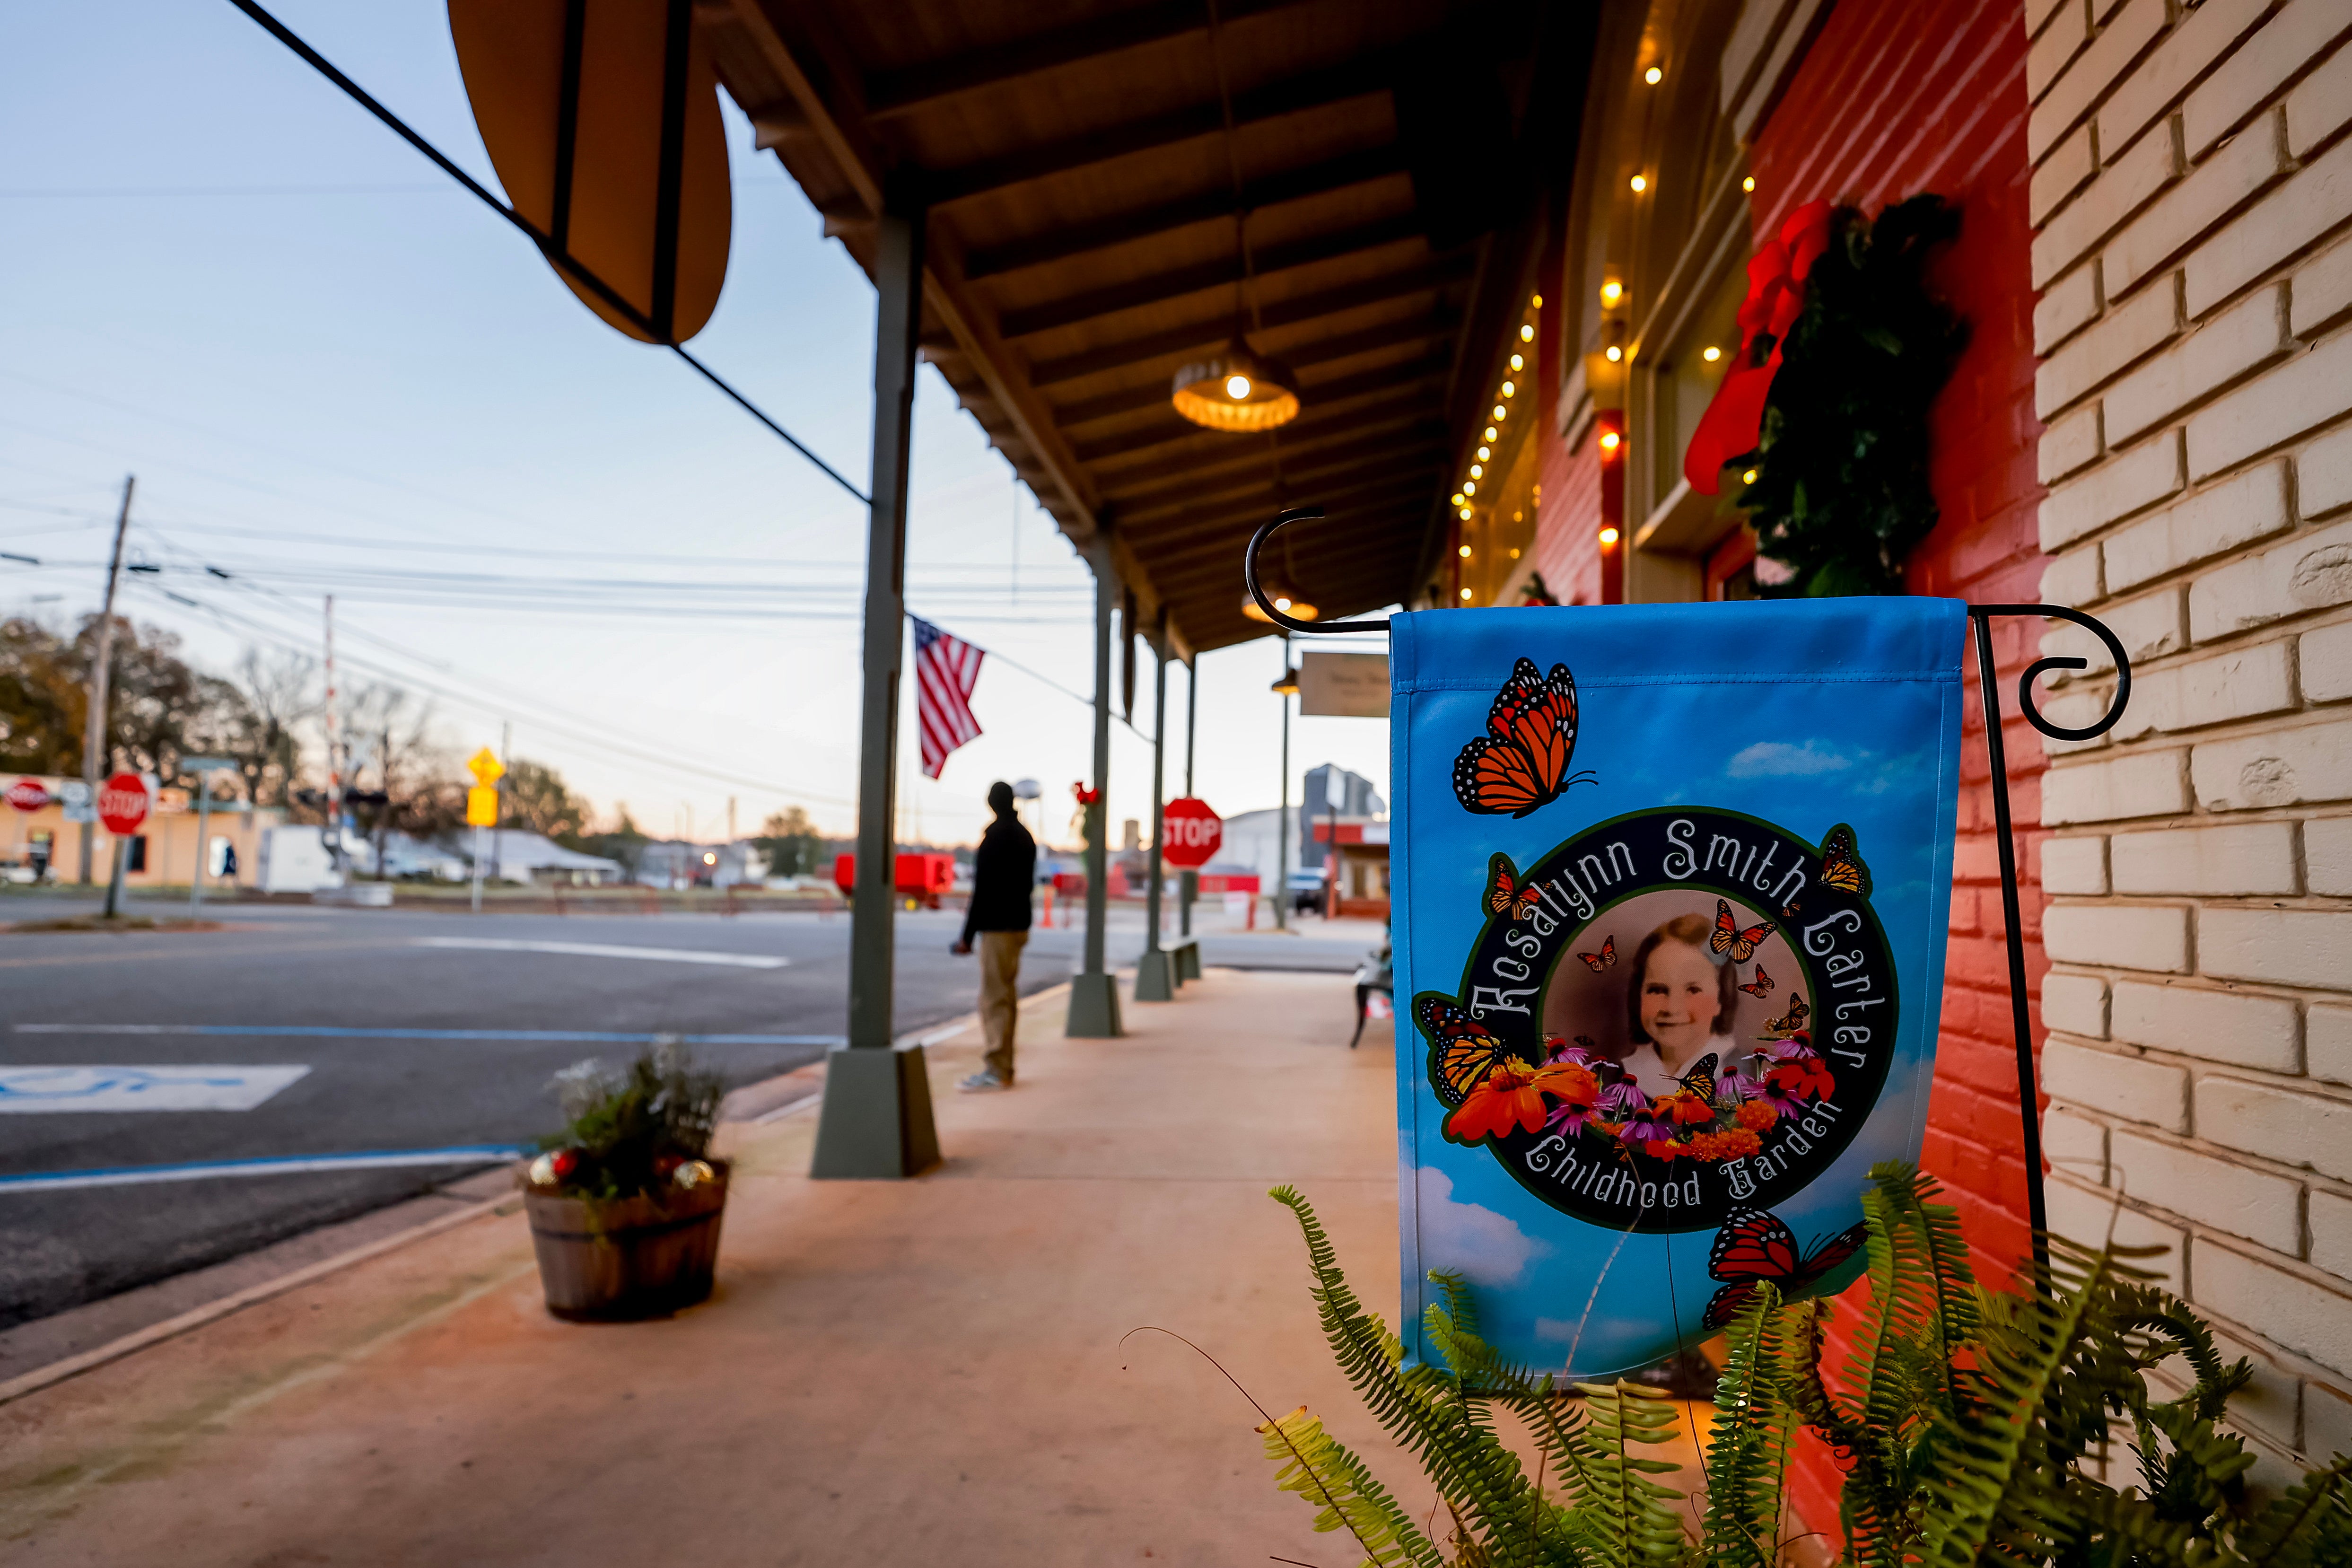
[1000, 994]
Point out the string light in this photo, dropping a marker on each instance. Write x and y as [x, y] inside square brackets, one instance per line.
[1609, 440]
[1710, 353]
[1614, 353]
[1501, 412]
[1466, 593]
[1538, 301]
[1458, 497]
[1465, 553]
[1509, 390]
[1749, 184]
[1469, 488]
[1483, 453]
[1476, 472]
[1609, 536]
[1640, 183]
[1490, 432]
[1465, 514]
[1518, 364]
[1653, 75]
[1526, 334]
[1748, 478]
[1515, 554]
[1611, 292]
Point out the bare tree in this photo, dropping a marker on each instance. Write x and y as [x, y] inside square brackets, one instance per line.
[280, 693]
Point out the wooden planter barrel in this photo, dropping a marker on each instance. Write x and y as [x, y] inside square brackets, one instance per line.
[637, 1257]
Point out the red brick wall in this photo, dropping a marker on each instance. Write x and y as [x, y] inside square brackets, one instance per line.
[1891, 100]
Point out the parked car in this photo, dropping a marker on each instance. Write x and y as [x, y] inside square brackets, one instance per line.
[19, 873]
[1306, 892]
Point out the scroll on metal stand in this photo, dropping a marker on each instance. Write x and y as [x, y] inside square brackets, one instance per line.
[1981, 620]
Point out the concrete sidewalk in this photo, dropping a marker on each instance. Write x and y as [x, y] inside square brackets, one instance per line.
[927, 1372]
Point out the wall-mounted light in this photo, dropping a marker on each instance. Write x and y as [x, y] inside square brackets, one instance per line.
[1609, 537]
[1640, 183]
[1653, 75]
[1710, 353]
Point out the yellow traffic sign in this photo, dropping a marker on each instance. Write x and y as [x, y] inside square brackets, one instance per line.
[481, 806]
[485, 767]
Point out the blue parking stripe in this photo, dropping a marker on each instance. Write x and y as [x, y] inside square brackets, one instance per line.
[291, 1165]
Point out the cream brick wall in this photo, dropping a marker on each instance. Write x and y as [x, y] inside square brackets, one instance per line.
[2192, 198]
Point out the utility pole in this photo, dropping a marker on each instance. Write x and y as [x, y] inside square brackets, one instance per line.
[334, 832]
[101, 672]
[499, 824]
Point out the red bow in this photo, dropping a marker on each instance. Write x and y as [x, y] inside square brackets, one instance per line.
[1086, 796]
[1733, 422]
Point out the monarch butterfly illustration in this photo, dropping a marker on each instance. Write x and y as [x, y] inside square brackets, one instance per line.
[1755, 1245]
[1521, 763]
[1605, 958]
[1463, 1051]
[1841, 867]
[1789, 1023]
[1763, 984]
[1729, 938]
[1505, 896]
[1700, 1079]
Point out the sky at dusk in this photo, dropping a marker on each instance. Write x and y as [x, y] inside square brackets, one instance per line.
[334, 372]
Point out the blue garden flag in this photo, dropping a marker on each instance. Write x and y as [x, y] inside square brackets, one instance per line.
[1670, 887]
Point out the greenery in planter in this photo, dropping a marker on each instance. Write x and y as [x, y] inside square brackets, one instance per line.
[1840, 493]
[1973, 1425]
[630, 1132]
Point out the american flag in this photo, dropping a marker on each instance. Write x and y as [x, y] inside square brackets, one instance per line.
[946, 669]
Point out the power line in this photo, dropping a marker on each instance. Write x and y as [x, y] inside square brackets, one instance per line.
[556, 255]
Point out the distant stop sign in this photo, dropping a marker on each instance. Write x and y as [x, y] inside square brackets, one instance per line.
[27, 794]
[1189, 833]
[123, 803]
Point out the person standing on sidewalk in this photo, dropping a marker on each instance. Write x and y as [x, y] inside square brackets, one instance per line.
[1001, 875]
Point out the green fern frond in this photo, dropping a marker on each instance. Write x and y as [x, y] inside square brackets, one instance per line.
[2310, 1526]
[1747, 1455]
[1321, 1469]
[1624, 1519]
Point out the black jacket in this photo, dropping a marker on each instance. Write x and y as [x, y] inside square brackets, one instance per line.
[1001, 875]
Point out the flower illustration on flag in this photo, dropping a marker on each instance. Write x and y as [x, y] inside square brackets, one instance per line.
[946, 669]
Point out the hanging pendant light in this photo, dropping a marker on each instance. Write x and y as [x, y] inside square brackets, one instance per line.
[1237, 389]
[1296, 609]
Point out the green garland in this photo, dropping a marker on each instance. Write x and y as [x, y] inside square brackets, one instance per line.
[1841, 494]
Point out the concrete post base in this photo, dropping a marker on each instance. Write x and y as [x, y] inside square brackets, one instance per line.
[875, 1119]
[1155, 975]
[1093, 1008]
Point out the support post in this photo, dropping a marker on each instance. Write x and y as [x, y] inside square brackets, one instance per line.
[1094, 991]
[1282, 812]
[101, 671]
[1188, 883]
[204, 841]
[875, 1121]
[1155, 976]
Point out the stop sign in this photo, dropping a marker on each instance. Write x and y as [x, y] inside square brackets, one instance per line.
[29, 795]
[1189, 833]
[123, 803]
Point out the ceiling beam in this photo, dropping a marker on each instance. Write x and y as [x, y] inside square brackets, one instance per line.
[1441, 273]
[1194, 468]
[1411, 447]
[1297, 185]
[1345, 345]
[910, 88]
[1175, 428]
[1071, 309]
[1389, 486]
[1386, 557]
[1292, 95]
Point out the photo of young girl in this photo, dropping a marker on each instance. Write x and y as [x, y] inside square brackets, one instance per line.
[1681, 1003]
[1666, 1000]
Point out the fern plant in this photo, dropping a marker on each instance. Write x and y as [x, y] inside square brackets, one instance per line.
[1974, 1427]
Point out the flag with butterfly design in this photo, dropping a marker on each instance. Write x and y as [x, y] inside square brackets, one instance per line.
[1670, 887]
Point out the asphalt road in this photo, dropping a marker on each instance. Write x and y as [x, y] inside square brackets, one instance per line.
[293, 986]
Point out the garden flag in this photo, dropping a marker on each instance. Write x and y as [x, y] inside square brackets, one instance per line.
[946, 669]
[1671, 888]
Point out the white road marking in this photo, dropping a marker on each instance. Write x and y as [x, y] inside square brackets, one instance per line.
[601, 950]
[56, 1089]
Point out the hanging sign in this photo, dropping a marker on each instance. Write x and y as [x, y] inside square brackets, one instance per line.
[1343, 685]
[1671, 886]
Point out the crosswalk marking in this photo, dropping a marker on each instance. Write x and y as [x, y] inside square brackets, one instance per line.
[81, 1088]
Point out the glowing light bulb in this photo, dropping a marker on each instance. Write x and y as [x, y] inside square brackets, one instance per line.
[1464, 553]
[1611, 292]
[1609, 440]
[1476, 472]
[1281, 603]
[1509, 390]
[1653, 75]
[1526, 334]
[1469, 488]
[1710, 353]
[1609, 536]
[1237, 387]
[1749, 184]
[1614, 353]
[1484, 454]
[1518, 364]
[1466, 593]
[1515, 554]
[1501, 412]
[1490, 432]
[1640, 183]
[1748, 478]
[1458, 497]
[1538, 301]
[1465, 514]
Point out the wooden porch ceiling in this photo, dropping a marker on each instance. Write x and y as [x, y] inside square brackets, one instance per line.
[1079, 161]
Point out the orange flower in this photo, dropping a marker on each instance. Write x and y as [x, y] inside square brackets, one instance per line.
[1804, 1076]
[1687, 1108]
[1756, 1116]
[1668, 1149]
[1736, 1145]
[1513, 1097]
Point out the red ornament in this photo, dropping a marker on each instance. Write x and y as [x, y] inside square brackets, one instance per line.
[664, 1163]
[1733, 422]
[563, 1163]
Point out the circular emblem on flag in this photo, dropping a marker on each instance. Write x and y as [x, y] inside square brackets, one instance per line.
[1673, 1014]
